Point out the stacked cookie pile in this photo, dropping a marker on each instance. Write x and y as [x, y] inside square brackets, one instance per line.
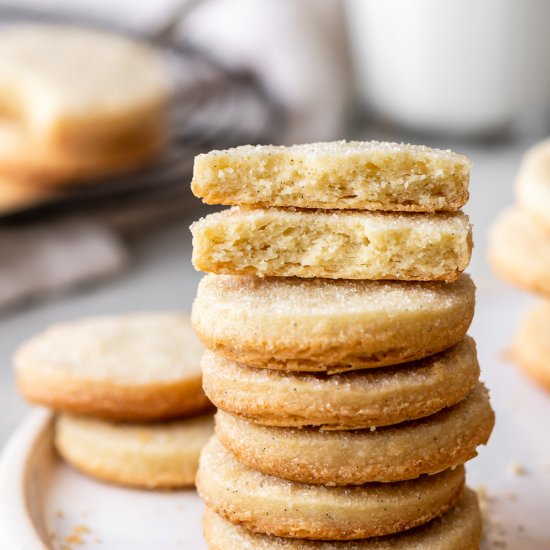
[128, 392]
[519, 250]
[76, 104]
[335, 317]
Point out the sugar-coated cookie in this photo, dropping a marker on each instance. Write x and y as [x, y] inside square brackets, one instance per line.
[394, 453]
[533, 182]
[458, 529]
[78, 102]
[519, 250]
[329, 325]
[152, 456]
[531, 348]
[137, 366]
[352, 400]
[367, 175]
[274, 506]
[335, 245]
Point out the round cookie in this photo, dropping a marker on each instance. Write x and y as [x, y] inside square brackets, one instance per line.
[329, 325]
[531, 348]
[152, 456]
[78, 102]
[136, 367]
[458, 529]
[351, 400]
[533, 182]
[18, 195]
[519, 250]
[395, 453]
[274, 506]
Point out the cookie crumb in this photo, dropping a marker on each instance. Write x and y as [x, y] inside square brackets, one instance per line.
[517, 469]
[76, 537]
[482, 493]
[483, 498]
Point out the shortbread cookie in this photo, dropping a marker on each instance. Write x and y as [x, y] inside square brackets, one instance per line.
[78, 102]
[395, 453]
[278, 507]
[367, 175]
[335, 245]
[139, 367]
[458, 529]
[353, 400]
[533, 182]
[519, 250]
[153, 456]
[329, 325]
[531, 347]
[18, 195]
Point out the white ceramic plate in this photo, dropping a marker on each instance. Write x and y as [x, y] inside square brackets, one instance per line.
[46, 505]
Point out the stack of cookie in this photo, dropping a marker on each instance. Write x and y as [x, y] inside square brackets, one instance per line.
[75, 104]
[335, 317]
[128, 390]
[519, 250]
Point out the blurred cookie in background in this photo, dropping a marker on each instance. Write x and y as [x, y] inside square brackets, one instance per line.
[531, 348]
[519, 240]
[77, 103]
[519, 251]
[17, 194]
[533, 183]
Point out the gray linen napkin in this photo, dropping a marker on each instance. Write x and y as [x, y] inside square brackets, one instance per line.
[43, 259]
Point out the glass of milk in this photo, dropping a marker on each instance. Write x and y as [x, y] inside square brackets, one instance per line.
[461, 66]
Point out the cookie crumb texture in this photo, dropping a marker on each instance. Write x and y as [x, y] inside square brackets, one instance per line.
[458, 529]
[344, 245]
[335, 175]
[329, 325]
[274, 506]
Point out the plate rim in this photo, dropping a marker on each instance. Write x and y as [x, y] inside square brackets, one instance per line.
[17, 528]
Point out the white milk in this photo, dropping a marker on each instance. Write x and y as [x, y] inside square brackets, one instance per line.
[466, 66]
